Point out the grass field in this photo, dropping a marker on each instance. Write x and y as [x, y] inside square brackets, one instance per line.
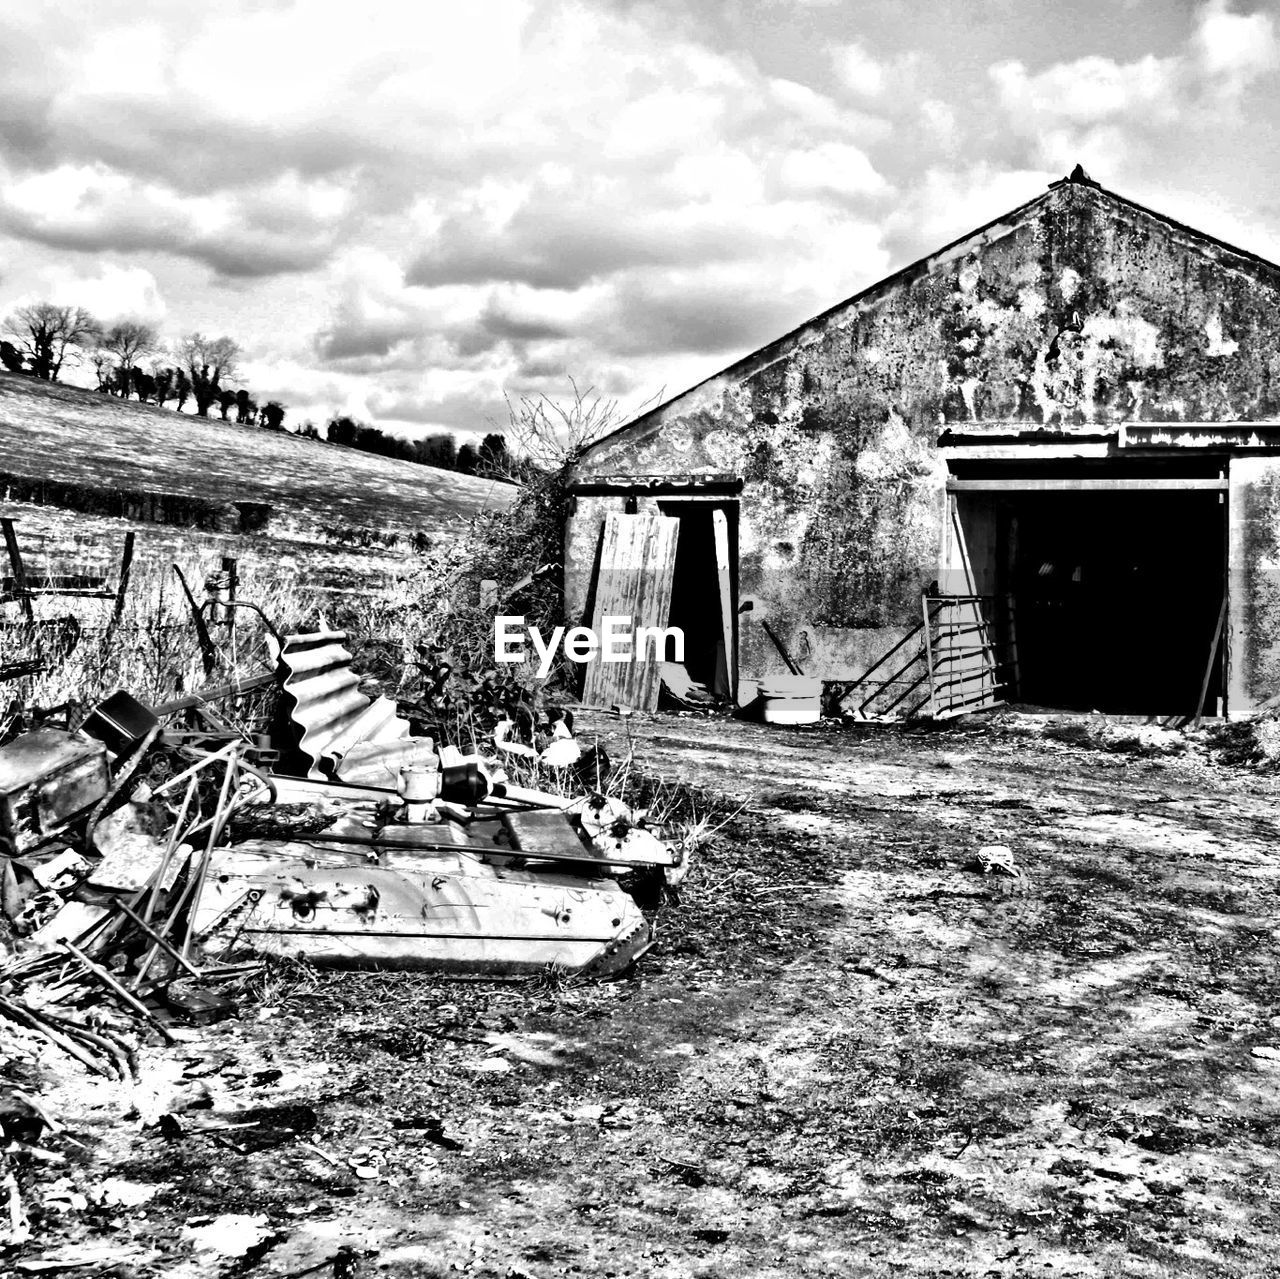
[78, 470]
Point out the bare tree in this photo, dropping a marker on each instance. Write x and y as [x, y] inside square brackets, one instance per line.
[104, 370]
[48, 335]
[207, 362]
[551, 434]
[127, 341]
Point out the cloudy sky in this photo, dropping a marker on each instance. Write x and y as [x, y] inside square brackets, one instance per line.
[407, 210]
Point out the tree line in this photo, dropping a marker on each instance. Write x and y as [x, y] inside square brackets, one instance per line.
[43, 337]
[489, 457]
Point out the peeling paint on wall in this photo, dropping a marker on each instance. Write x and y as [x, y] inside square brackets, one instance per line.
[1078, 310]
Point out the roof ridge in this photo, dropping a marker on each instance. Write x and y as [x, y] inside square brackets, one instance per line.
[1076, 178]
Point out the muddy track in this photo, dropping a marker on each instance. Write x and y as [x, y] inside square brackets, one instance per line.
[850, 1054]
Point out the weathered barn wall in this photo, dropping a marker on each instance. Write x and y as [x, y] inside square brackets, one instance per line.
[1078, 309]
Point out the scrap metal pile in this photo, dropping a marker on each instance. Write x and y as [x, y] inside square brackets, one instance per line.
[152, 865]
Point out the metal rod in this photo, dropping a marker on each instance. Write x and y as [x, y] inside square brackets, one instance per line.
[208, 654]
[216, 693]
[117, 989]
[221, 813]
[171, 844]
[164, 945]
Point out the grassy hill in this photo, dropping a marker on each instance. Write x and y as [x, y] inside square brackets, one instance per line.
[78, 468]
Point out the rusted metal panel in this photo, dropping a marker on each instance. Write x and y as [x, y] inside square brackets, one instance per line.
[636, 567]
[451, 913]
[323, 698]
[47, 779]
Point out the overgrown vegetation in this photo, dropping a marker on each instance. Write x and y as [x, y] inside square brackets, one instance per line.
[153, 649]
[428, 639]
[425, 638]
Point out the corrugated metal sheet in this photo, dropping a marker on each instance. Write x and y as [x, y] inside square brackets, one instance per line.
[637, 565]
[325, 705]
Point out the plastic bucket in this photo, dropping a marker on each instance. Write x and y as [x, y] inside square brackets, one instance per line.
[791, 699]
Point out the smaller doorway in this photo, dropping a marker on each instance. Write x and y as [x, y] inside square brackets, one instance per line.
[704, 590]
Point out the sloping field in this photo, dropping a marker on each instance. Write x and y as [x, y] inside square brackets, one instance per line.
[67, 447]
[78, 471]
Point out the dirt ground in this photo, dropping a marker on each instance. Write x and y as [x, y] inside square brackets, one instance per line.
[849, 1054]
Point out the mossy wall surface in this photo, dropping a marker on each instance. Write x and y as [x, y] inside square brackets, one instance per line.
[1079, 310]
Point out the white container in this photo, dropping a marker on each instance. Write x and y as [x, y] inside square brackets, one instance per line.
[791, 699]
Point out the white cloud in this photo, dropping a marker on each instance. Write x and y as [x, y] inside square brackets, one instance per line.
[833, 167]
[857, 70]
[404, 208]
[1234, 48]
[1088, 90]
[109, 292]
[1111, 114]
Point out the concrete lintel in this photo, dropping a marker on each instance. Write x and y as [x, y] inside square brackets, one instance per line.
[1026, 452]
[1098, 484]
[1200, 435]
[723, 482]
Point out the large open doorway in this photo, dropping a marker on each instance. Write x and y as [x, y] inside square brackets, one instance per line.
[1107, 596]
[1116, 598]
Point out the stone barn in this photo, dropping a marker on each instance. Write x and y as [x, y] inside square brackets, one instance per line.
[1041, 465]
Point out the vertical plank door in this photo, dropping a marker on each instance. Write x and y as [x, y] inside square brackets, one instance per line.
[633, 579]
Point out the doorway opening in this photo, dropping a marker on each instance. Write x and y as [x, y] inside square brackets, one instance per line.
[704, 591]
[1108, 599]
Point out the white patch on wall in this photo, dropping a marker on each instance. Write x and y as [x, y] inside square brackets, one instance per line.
[1031, 302]
[1139, 337]
[969, 276]
[1069, 283]
[783, 544]
[1218, 345]
[818, 462]
[724, 450]
[680, 438]
[897, 456]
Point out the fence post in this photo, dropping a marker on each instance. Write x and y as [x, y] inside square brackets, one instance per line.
[928, 657]
[16, 566]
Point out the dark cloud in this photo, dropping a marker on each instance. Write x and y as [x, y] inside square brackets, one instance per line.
[235, 255]
[462, 412]
[661, 315]
[557, 241]
[360, 339]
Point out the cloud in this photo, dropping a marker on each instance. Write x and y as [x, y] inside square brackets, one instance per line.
[1106, 112]
[111, 293]
[406, 209]
[1234, 49]
[832, 168]
[278, 228]
[857, 70]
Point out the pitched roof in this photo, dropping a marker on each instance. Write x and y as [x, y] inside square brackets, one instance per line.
[989, 232]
